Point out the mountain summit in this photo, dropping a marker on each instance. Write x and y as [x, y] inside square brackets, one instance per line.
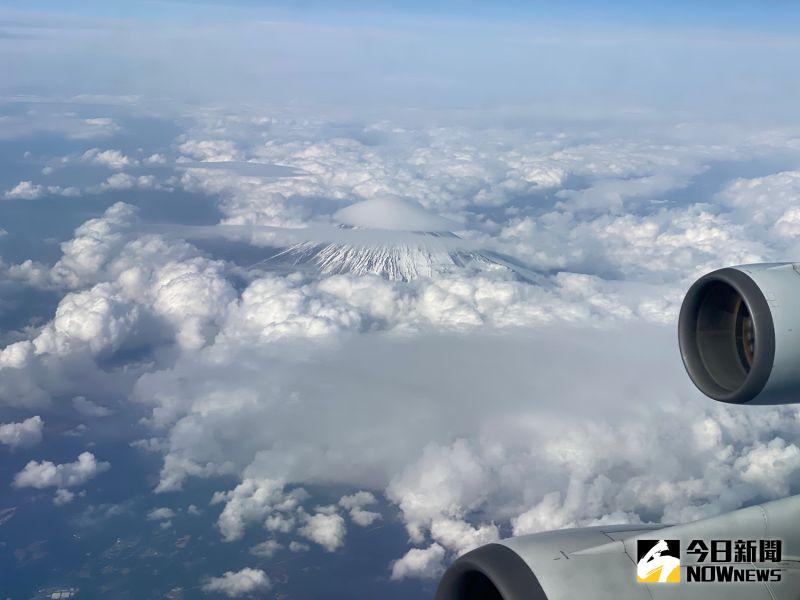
[396, 239]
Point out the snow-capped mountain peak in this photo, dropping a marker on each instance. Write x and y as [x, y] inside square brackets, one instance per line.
[395, 239]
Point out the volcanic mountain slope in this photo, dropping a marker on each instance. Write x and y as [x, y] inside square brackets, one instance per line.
[397, 240]
[401, 261]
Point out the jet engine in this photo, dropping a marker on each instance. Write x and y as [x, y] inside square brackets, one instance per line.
[739, 333]
[739, 336]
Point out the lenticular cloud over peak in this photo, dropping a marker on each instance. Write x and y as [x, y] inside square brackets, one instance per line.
[394, 214]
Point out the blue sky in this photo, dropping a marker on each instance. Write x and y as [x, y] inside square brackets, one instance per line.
[710, 60]
[744, 15]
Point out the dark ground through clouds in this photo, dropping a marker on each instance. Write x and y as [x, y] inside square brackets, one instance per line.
[103, 545]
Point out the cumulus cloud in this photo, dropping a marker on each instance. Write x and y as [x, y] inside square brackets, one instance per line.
[210, 150]
[420, 563]
[63, 496]
[461, 537]
[238, 583]
[22, 435]
[95, 244]
[770, 465]
[266, 549]
[130, 292]
[89, 408]
[41, 475]
[99, 318]
[113, 159]
[24, 190]
[262, 500]
[445, 481]
[124, 181]
[160, 514]
[155, 159]
[356, 504]
[250, 500]
[327, 530]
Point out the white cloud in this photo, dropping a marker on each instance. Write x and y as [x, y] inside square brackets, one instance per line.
[125, 181]
[46, 474]
[155, 159]
[355, 503]
[95, 244]
[99, 125]
[239, 583]
[113, 159]
[142, 291]
[89, 408]
[266, 549]
[22, 435]
[154, 445]
[392, 213]
[445, 481]
[255, 500]
[99, 318]
[67, 192]
[460, 536]
[420, 563]
[251, 500]
[210, 150]
[771, 466]
[160, 514]
[295, 546]
[24, 190]
[63, 496]
[280, 523]
[326, 530]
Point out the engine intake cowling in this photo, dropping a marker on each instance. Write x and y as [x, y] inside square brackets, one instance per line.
[739, 334]
[601, 563]
[491, 572]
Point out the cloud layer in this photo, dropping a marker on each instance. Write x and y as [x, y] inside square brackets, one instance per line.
[471, 403]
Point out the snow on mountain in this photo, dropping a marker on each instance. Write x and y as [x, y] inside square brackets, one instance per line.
[395, 239]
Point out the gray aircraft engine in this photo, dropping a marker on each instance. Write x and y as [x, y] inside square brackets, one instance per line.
[739, 333]
[739, 336]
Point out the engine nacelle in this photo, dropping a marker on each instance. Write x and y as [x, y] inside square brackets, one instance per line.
[600, 563]
[739, 334]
